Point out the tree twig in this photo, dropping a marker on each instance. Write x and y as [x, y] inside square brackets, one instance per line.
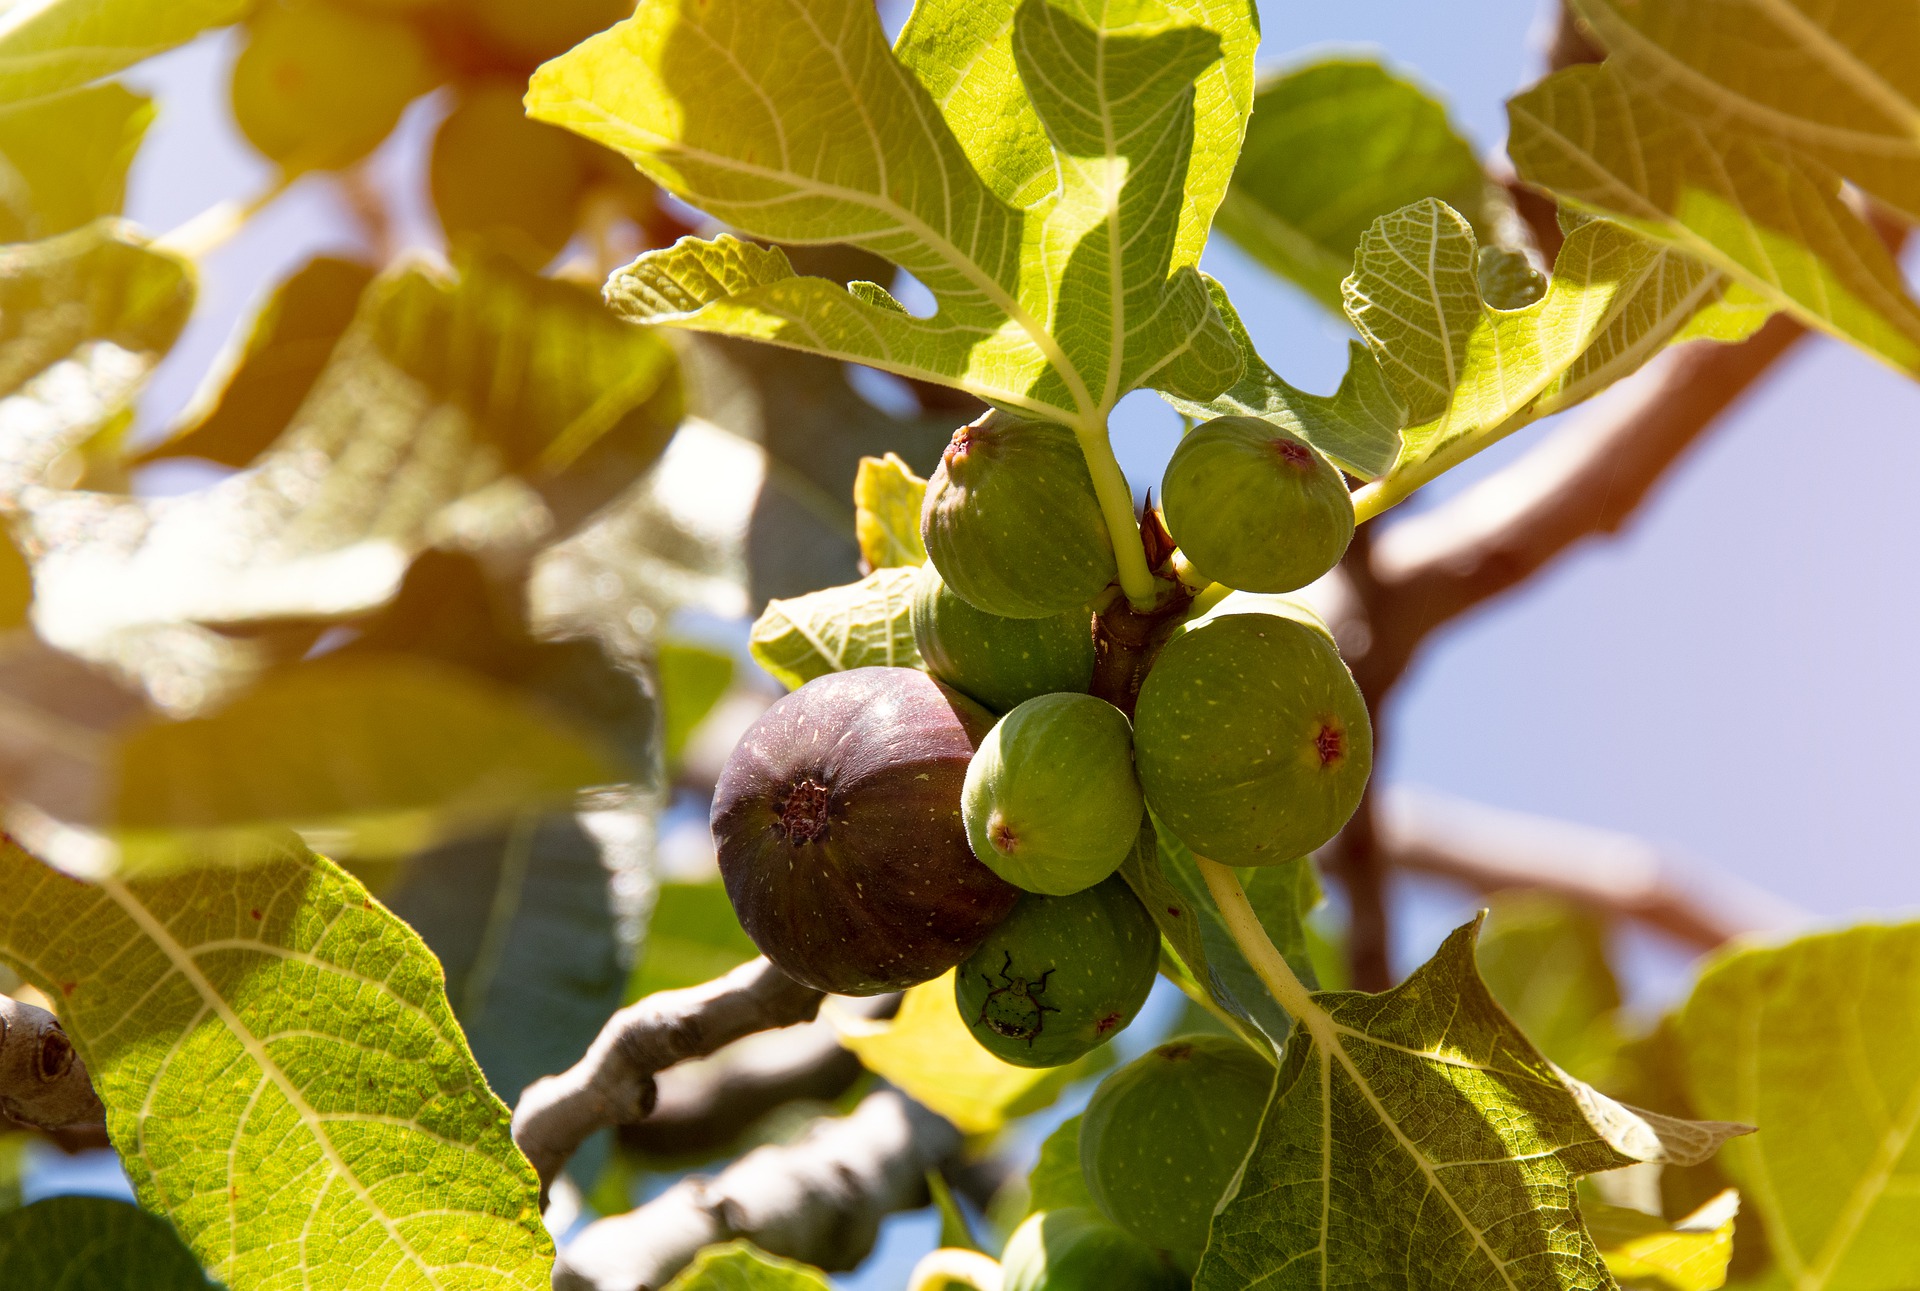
[614, 1083]
[819, 1199]
[43, 1082]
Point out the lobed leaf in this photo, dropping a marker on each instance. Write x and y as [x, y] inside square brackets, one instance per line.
[887, 497]
[1544, 958]
[94, 1244]
[56, 45]
[861, 625]
[283, 1076]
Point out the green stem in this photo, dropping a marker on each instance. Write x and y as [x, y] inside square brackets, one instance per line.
[1249, 934]
[1116, 506]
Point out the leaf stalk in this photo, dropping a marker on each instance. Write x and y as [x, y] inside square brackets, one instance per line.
[1116, 507]
[1252, 939]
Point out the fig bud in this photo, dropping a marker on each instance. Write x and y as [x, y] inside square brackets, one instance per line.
[1051, 801]
[1255, 507]
[1074, 1249]
[1062, 975]
[998, 661]
[1012, 520]
[837, 823]
[1164, 1135]
[1251, 739]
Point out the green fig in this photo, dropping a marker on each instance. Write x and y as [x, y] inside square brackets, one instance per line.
[837, 824]
[1062, 975]
[1051, 801]
[1164, 1135]
[1255, 507]
[1076, 1250]
[1012, 520]
[498, 174]
[1000, 662]
[1251, 739]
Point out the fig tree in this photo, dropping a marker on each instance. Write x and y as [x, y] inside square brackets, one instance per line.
[1074, 1249]
[1051, 801]
[1062, 975]
[837, 823]
[998, 661]
[1251, 739]
[1255, 507]
[1012, 521]
[1164, 1135]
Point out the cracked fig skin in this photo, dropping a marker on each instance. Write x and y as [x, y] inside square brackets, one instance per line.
[1251, 739]
[837, 823]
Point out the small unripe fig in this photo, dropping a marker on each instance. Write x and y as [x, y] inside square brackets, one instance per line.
[1255, 507]
[1012, 521]
[1062, 975]
[1251, 739]
[998, 661]
[1051, 801]
[1163, 1136]
[1076, 1250]
[837, 823]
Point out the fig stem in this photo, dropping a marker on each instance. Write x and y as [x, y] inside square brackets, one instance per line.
[1267, 961]
[1116, 505]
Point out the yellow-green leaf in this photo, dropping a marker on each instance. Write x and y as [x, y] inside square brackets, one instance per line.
[1646, 1253]
[886, 500]
[64, 159]
[56, 45]
[864, 624]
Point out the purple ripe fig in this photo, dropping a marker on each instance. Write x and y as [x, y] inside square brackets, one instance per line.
[837, 822]
[1255, 507]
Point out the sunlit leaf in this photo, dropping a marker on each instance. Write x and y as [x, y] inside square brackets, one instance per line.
[53, 46]
[860, 625]
[1818, 1043]
[64, 159]
[94, 1244]
[1545, 960]
[886, 498]
[1331, 147]
[1646, 1253]
[283, 1077]
[741, 1266]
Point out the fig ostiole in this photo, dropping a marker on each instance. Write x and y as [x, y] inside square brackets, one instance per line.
[1012, 521]
[1163, 1136]
[1051, 800]
[999, 661]
[837, 824]
[1061, 976]
[1255, 507]
[1075, 1249]
[1251, 739]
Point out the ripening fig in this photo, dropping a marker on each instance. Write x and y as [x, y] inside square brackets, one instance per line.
[497, 174]
[1012, 521]
[1074, 1249]
[837, 823]
[1062, 975]
[1251, 739]
[1051, 800]
[1255, 507]
[999, 661]
[1163, 1136]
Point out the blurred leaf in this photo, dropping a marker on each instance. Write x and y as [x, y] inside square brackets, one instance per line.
[741, 1266]
[64, 159]
[1055, 1182]
[887, 496]
[1645, 1253]
[954, 1229]
[1331, 147]
[278, 1059]
[380, 755]
[1768, 216]
[507, 180]
[1818, 1043]
[83, 319]
[857, 626]
[692, 680]
[267, 377]
[94, 1244]
[59, 44]
[318, 86]
[12, 1148]
[524, 922]
[1544, 958]
[16, 584]
[693, 937]
[928, 1052]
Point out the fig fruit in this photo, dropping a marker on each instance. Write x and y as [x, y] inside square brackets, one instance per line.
[1062, 975]
[1251, 739]
[1164, 1135]
[999, 661]
[1255, 507]
[1076, 1250]
[837, 823]
[1012, 520]
[1051, 801]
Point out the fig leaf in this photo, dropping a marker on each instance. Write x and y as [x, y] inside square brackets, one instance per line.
[887, 497]
[1645, 1251]
[741, 1266]
[863, 624]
